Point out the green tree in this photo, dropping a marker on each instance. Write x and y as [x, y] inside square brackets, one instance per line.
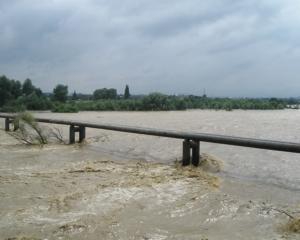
[38, 92]
[5, 90]
[105, 93]
[126, 92]
[156, 101]
[34, 102]
[28, 87]
[74, 96]
[15, 97]
[16, 88]
[60, 93]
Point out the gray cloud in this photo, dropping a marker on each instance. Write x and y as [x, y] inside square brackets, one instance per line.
[229, 47]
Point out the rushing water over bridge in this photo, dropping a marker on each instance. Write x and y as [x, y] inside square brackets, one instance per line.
[191, 143]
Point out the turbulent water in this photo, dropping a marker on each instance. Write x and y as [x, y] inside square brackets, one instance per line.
[127, 186]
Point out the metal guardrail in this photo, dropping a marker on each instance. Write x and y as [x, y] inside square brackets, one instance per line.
[191, 140]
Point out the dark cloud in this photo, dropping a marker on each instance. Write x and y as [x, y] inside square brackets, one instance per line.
[229, 47]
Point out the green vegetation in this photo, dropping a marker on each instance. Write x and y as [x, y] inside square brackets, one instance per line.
[161, 102]
[27, 130]
[126, 92]
[105, 93]
[9, 90]
[17, 97]
[74, 96]
[65, 107]
[27, 87]
[60, 93]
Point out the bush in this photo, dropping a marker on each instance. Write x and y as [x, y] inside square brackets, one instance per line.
[155, 101]
[105, 93]
[60, 93]
[64, 108]
[13, 107]
[35, 102]
[27, 130]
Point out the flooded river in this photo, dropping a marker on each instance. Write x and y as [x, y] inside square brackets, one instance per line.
[127, 186]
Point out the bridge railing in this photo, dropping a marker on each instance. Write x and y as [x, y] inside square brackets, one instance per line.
[191, 143]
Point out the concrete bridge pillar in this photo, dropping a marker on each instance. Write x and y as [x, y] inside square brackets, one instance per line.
[73, 130]
[190, 152]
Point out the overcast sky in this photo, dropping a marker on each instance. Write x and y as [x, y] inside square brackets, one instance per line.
[231, 48]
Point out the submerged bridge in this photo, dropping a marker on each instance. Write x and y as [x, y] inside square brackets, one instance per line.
[191, 140]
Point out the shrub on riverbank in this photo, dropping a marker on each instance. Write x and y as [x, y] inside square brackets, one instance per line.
[64, 108]
[152, 102]
[27, 130]
[13, 107]
[161, 102]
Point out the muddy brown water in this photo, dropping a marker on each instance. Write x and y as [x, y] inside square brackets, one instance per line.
[127, 186]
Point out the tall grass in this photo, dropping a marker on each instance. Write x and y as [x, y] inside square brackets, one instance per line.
[28, 131]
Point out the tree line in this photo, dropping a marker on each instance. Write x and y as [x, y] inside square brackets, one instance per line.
[16, 96]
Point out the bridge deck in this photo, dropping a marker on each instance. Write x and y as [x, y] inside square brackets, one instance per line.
[192, 137]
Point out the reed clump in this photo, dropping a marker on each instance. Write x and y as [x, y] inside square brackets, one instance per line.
[28, 131]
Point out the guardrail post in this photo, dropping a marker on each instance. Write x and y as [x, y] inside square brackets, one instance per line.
[195, 153]
[7, 122]
[81, 133]
[72, 134]
[186, 153]
[16, 124]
